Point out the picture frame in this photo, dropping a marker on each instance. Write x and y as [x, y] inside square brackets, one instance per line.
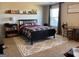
[73, 8]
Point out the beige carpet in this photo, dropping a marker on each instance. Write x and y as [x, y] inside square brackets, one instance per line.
[11, 50]
[26, 49]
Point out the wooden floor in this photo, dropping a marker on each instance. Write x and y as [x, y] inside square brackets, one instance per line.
[12, 51]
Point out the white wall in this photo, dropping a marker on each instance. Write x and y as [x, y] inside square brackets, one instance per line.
[45, 14]
[71, 18]
[21, 6]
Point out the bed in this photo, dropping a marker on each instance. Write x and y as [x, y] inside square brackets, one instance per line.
[33, 32]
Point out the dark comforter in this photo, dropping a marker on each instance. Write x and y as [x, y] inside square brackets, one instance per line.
[37, 32]
[29, 29]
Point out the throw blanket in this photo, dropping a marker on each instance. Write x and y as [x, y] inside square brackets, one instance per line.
[28, 29]
[38, 28]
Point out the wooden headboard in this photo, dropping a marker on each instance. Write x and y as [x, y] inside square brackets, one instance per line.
[25, 21]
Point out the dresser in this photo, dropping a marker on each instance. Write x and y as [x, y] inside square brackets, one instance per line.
[76, 34]
[73, 33]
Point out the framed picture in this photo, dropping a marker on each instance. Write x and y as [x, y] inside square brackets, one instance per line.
[73, 8]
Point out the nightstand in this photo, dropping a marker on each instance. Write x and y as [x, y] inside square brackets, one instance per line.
[10, 30]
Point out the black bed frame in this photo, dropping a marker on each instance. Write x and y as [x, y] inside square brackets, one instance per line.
[36, 35]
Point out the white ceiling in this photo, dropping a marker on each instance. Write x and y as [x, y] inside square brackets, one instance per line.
[45, 3]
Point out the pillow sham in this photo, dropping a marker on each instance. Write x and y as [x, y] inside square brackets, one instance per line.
[24, 25]
[34, 23]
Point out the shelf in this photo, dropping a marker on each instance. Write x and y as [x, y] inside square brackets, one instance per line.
[20, 12]
[11, 31]
[12, 35]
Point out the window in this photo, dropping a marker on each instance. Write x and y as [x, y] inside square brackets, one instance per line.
[54, 14]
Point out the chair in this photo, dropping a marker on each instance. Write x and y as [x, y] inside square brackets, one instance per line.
[70, 33]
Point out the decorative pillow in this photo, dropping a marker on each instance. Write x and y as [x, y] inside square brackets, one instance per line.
[34, 23]
[25, 25]
[28, 24]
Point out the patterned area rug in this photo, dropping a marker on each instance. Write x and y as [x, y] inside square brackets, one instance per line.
[26, 49]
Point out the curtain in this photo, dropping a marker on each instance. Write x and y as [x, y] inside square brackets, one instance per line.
[59, 21]
[59, 31]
